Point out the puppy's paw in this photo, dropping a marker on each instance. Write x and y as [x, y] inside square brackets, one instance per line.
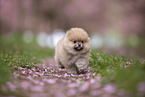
[83, 71]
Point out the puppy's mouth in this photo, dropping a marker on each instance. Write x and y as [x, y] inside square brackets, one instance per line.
[78, 48]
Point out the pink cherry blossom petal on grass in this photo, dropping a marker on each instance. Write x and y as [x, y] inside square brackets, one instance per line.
[23, 72]
[94, 74]
[45, 70]
[30, 71]
[22, 68]
[33, 69]
[34, 75]
[14, 73]
[128, 63]
[62, 69]
[65, 75]
[29, 77]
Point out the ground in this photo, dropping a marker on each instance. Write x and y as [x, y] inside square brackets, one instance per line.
[47, 80]
[28, 70]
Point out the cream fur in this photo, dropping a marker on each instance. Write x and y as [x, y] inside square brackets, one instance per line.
[67, 56]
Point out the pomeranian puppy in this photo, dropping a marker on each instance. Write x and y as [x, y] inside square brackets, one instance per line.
[73, 51]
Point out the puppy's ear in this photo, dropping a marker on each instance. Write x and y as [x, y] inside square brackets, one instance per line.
[68, 32]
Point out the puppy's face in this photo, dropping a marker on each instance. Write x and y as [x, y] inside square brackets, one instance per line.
[76, 40]
[78, 45]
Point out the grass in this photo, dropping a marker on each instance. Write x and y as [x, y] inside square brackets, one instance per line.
[14, 51]
[126, 72]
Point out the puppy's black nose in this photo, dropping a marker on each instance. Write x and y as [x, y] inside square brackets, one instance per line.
[79, 45]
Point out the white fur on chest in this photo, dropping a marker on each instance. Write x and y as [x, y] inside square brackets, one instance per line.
[75, 58]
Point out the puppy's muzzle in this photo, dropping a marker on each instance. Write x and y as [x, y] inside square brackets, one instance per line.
[78, 47]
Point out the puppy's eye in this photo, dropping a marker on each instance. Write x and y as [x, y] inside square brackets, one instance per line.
[82, 41]
[75, 41]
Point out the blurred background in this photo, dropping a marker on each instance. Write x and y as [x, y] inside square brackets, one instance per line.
[115, 27]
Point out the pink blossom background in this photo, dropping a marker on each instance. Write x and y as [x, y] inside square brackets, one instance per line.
[102, 16]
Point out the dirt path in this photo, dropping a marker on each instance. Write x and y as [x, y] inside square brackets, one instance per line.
[46, 80]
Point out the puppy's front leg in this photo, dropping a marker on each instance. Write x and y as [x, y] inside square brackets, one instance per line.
[72, 68]
[82, 63]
